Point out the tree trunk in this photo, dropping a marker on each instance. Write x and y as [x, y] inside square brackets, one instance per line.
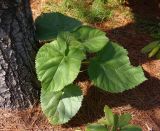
[19, 87]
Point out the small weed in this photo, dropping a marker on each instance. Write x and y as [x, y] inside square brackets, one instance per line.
[113, 122]
[153, 48]
[99, 11]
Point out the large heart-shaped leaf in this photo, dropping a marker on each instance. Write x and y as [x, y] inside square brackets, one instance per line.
[61, 106]
[58, 64]
[111, 70]
[92, 39]
[48, 25]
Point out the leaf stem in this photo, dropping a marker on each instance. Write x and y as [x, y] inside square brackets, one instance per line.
[85, 62]
[83, 70]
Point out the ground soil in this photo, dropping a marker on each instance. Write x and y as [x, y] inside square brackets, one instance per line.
[143, 102]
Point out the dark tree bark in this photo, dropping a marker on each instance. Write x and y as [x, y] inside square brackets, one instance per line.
[19, 87]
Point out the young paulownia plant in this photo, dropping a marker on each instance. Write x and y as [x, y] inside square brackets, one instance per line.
[58, 63]
[113, 122]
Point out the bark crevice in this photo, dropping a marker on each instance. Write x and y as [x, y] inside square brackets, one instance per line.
[19, 87]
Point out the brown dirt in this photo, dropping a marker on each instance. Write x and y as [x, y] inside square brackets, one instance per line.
[143, 102]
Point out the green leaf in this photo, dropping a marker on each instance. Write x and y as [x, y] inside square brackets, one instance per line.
[150, 46]
[92, 39]
[116, 117]
[109, 116]
[48, 25]
[124, 120]
[131, 128]
[61, 106]
[96, 127]
[69, 39]
[111, 70]
[99, 12]
[58, 64]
